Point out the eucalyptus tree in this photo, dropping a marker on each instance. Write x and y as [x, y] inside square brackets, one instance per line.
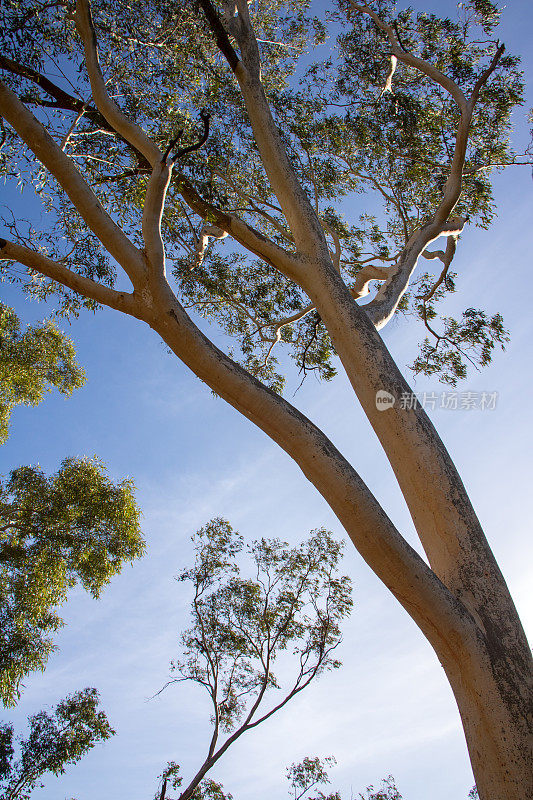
[56, 531]
[54, 740]
[31, 363]
[77, 526]
[248, 232]
[241, 628]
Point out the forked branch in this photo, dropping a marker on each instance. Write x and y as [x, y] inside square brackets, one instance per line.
[78, 190]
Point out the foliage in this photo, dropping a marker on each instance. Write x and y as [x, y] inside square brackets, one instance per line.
[31, 363]
[388, 791]
[309, 773]
[74, 526]
[54, 740]
[345, 137]
[472, 338]
[313, 771]
[240, 626]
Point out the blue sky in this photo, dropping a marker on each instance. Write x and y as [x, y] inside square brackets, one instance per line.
[389, 709]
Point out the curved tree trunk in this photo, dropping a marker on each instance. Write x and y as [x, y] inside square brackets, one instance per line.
[498, 730]
[477, 636]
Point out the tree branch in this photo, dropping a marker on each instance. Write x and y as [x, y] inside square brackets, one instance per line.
[121, 301]
[221, 37]
[483, 78]
[407, 58]
[132, 132]
[64, 99]
[381, 309]
[283, 261]
[154, 203]
[292, 198]
[446, 258]
[62, 168]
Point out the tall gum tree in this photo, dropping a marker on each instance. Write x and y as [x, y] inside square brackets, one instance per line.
[247, 222]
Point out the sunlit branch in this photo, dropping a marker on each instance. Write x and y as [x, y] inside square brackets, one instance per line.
[132, 132]
[388, 80]
[407, 58]
[446, 257]
[78, 190]
[86, 287]
[152, 213]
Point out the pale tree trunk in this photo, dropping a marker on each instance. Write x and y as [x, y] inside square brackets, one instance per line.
[460, 601]
[482, 649]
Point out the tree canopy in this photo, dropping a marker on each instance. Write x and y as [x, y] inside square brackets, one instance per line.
[55, 531]
[352, 124]
[54, 740]
[31, 363]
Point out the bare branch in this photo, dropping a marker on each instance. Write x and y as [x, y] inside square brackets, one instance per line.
[282, 323]
[71, 130]
[155, 201]
[370, 272]
[388, 81]
[152, 213]
[483, 78]
[381, 309]
[205, 117]
[64, 99]
[446, 258]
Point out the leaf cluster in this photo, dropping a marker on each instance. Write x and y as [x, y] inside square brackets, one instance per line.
[308, 774]
[54, 740]
[55, 531]
[32, 363]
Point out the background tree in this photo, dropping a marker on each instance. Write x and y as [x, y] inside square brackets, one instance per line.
[305, 287]
[54, 740]
[55, 531]
[294, 603]
[32, 363]
[74, 526]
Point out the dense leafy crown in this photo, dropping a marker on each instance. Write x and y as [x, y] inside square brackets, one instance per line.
[74, 526]
[345, 136]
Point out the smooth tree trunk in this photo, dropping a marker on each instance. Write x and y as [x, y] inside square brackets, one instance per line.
[476, 635]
